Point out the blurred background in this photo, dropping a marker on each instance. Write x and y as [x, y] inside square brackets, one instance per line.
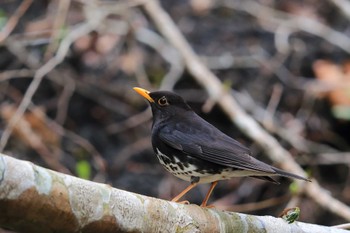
[69, 67]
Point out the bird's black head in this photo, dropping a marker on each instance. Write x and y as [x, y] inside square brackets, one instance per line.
[164, 104]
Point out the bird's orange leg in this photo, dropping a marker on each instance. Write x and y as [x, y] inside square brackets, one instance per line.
[191, 186]
[204, 203]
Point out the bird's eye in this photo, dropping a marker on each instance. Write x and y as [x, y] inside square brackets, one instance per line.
[163, 101]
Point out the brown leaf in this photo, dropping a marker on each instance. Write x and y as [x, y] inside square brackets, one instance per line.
[337, 78]
[32, 128]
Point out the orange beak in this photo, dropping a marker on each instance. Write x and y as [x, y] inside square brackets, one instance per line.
[144, 93]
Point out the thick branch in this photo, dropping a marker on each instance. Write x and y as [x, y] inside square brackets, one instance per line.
[35, 199]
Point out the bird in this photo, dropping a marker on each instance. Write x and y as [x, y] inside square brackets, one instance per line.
[194, 150]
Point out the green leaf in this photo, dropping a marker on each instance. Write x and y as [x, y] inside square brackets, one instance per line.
[341, 112]
[3, 18]
[83, 169]
[227, 84]
[294, 188]
[291, 215]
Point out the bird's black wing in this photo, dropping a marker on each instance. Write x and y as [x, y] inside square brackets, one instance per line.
[202, 140]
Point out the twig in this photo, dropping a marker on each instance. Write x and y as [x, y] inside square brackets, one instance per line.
[98, 158]
[247, 102]
[248, 125]
[275, 98]
[342, 226]
[130, 122]
[86, 88]
[34, 137]
[168, 53]
[58, 23]
[100, 163]
[74, 34]
[333, 158]
[93, 92]
[227, 60]
[288, 134]
[63, 101]
[94, 18]
[293, 22]
[255, 205]
[124, 154]
[343, 5]
[12, 22]
[22, 73]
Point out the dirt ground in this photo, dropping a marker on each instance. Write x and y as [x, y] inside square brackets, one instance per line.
[69, 67]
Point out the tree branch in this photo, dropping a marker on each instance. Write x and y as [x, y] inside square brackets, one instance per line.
[35, 199]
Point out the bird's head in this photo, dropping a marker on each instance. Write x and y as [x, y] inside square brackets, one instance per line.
[164, 104]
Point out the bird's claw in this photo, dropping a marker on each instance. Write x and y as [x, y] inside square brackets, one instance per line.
[183, 202]
[208, 206]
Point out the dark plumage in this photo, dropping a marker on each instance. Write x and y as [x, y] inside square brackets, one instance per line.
[194, 150]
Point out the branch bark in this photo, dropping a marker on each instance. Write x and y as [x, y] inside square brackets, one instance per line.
[35, 199]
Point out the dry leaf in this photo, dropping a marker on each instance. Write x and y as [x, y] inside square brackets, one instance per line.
[105, 43]
[337, 78]
[33, 128]
[129, 62]
[34, 131]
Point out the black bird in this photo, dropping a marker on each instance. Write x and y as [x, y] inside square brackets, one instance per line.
[194, 150]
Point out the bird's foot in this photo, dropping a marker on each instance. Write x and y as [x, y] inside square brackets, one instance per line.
[207, 206]
[183, 202]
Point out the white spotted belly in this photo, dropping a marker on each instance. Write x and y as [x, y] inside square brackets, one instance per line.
[186, 172]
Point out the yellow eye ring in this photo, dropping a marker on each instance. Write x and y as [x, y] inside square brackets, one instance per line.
[163, 101]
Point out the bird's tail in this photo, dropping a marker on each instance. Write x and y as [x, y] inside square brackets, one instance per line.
[289, 175]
